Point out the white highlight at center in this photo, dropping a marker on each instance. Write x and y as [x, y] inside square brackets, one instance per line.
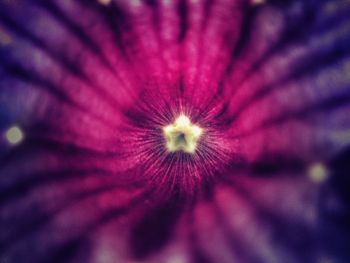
[182, 135]
[166, 2]
[135, 3]
[14, 135]
[257, 2]
[318, 173]
[104, 2]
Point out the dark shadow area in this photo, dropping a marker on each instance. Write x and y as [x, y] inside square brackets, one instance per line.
[155, 229]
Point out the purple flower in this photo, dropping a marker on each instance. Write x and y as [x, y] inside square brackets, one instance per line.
[174, 131]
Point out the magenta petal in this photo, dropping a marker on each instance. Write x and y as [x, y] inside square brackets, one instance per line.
[257, 171]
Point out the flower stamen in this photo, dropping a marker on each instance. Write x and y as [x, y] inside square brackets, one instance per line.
[182, 135]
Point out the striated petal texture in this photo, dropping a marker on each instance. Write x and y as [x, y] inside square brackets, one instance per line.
[87, 88]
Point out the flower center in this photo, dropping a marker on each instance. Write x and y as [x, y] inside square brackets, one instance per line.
[182, 135]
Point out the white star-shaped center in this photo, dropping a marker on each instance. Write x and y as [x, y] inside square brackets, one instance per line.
[182, 135]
